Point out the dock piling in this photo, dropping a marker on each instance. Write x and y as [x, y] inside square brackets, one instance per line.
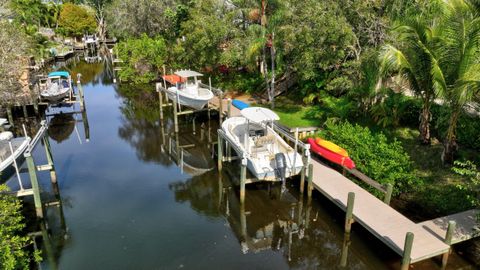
[36, 188]
[175, 115]
[243, 177]
[229, 107]
[219, 153]
[448, 240]
[310, 181]
[10, 115]
[388, 194]
[407, 251]
[349, 212]
[48, 153]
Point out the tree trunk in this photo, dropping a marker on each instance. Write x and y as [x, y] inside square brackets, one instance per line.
[425, 122]
[272, 85]
[450, 146]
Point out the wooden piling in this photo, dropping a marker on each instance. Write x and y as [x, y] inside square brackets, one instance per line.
[388, 194]
[407, 251]
[229, 107]
[345, 246]
[220, 108]
[219, 153]
[25, 112]
[10, 115]
[160, 99]
[448, 240]
[243, 177]
[80, 92]
[34, 181]
[48, 153]
[310, 181]
[349, 212]
[302, 174]
[175, 115]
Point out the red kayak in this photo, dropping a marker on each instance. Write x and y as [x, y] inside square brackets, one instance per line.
[329, 155]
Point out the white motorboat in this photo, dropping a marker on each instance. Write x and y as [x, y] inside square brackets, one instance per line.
[268, 156]
[186, 89]
[11, 149]
[57, 86]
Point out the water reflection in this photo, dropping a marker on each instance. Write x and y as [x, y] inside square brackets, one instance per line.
[61, 127]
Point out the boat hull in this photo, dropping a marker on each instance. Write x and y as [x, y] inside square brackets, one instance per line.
[261, 169]
[331, 156]
[6, 159]
[57, 97]
[195, 102]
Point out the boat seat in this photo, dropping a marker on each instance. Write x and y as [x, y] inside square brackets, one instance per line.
[268, 139]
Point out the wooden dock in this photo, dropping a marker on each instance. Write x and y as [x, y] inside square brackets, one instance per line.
[377, 217]
[467, 226]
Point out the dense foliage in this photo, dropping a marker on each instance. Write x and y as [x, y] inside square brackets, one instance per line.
[383, 160]
[13, 254]
[144, 58]
[76, 20]
[14, 50]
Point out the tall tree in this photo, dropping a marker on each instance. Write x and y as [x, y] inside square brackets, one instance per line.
[459, 57]
[412, 55]
[127, 18]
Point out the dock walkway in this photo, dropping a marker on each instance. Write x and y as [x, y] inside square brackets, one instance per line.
[380, 219]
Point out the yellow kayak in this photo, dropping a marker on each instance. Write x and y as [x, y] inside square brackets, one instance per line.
[331, 147]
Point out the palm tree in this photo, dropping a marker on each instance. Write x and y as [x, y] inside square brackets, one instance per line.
[459, 54]
[413, 57]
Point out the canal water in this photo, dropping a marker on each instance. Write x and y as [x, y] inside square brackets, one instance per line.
[135, 195]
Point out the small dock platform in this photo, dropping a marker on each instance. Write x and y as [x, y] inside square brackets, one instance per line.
[467, 226]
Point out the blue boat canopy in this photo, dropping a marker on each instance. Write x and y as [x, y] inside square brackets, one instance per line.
[59, 74]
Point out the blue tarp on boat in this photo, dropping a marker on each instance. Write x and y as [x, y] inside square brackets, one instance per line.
[59, 74]
[239, 104]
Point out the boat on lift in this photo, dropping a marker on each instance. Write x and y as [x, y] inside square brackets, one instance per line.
[186, 90]
[11, 150]
[269, 157]
[56, 86]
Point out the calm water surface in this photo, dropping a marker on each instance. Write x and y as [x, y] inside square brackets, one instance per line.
[132, 201]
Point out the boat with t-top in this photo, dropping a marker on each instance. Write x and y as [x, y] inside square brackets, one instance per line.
[269, 157]
[56, 86]
[185, 89]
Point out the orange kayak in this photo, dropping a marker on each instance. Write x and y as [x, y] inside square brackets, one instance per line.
[331, 147]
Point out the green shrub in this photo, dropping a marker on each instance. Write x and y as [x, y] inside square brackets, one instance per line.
[76, 20]
[13, 251]
[382, 160]
[468, 126]
[143, 58]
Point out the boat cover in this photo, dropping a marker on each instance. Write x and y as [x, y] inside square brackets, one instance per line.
[59, 74]
[173, 79]
[259, 115]
[188, 73]
[239, 104]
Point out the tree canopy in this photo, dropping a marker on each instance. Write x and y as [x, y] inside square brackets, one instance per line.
[76, 20]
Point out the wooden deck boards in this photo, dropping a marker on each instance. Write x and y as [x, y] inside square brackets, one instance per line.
[466, 227]
[377, 217]
[233, 110]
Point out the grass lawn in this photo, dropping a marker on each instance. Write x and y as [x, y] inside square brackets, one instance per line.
[292, 114]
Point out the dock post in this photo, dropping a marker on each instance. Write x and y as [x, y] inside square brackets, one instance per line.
[175, 114]
[35, 106]
[388, 194]
[25, 112]
[34, 181]
[10, 115]
[80, 92]
[220, 107]
[310, 181]
[345, 246]
[448, 240]
[229, 107]
[303, 173]
[48, 153]
[219, 153]
[86, 126]
[243, 178]
[160, 98]
[349, 212]
[407, 250]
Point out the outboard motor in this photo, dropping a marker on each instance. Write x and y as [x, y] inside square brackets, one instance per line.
[281, 168]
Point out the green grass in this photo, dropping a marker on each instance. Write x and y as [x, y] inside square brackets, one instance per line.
[292, 114]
